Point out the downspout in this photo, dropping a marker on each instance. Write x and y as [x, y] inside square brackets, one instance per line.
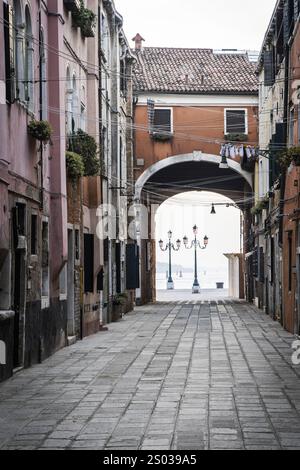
[41, 106]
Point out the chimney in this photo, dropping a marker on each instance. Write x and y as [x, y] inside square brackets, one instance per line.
[138, 40]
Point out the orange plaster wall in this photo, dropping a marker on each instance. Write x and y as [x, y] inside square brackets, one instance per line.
[192, 126]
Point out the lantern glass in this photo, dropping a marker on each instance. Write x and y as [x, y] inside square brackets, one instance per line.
[185, 240]
[161, 244]
[178, 243]
[195, 230]
[205, 241]
[170, 234]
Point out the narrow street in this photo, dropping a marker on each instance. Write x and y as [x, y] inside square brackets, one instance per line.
[175, 375]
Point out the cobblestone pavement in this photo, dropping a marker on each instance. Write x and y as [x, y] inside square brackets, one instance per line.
[169, 376]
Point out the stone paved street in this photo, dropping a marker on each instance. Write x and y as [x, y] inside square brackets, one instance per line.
[186, 376]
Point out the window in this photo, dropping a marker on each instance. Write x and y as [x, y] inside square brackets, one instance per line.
[18, 27]
[162, 121]
[28, 82]
[9, 53]
[43, 78]
[292, 127]
[290, 260]
[236, 121]
[77, 245]
[34, 241]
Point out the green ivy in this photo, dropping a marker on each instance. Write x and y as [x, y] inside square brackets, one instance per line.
[75, 165]
[86, 146]
[85, 19]
[288, 156]
[40, 130]
[120, 299]
[236, 137]
[260, 206]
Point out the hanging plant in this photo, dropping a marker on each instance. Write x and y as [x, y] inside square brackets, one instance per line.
[236, 137]
[75, 165]
[288, 156]
[40, 130]
[161, 136]
[260, 206]
[85, 19]
[86, 146]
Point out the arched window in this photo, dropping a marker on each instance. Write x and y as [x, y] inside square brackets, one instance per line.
[28, 75]
[69, 94]
[43, 78]
[83, 109]
[74, 105]
[18, 23]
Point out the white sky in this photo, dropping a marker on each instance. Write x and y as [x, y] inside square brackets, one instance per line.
[215, 24]
[182, 212]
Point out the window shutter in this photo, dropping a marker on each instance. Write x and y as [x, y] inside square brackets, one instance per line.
[261, 265]
[269, 68]
[88, 263]
[9, 53]
[235, 122]
[118, 267]
[132, 267]
[255, 262]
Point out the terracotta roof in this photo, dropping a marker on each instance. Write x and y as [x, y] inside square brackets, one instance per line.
[172, 70]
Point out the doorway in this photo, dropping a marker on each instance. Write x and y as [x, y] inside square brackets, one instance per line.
[71, 283]
[19, 281]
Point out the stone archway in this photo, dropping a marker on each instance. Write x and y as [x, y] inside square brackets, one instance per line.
[196, 157]
[201, 167]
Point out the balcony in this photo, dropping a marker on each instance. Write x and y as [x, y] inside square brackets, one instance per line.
[72, 5]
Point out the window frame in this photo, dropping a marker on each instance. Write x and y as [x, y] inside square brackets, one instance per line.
[163, 108]
[246, 120]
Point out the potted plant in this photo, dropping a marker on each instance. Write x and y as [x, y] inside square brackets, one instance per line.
[85, 19]
[85, 145]
[40, 130]
[75, 166]
[236, 137]
[119, 300]
[288, 156]
[161, 136]
[260, 206]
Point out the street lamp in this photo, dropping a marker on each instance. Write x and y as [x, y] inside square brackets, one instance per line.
[195, 244]
[170, 246]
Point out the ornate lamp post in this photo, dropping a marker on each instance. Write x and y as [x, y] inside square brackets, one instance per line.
[170, 246]
[195, 244]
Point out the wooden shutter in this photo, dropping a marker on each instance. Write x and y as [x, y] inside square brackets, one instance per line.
[235, 121]
[118, 267]
[261, 265]
[132, 267]
[9, 45]
[269, 68]
[88, 263]
[255, 262]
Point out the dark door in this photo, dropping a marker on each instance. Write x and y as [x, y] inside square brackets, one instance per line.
[19, 280]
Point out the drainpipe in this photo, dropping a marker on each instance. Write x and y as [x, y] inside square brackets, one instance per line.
[41, 106]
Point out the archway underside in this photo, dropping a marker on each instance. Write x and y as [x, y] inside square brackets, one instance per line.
[197, 176]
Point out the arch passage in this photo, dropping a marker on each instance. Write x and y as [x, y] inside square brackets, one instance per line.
[191, 172]
[183, 173]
